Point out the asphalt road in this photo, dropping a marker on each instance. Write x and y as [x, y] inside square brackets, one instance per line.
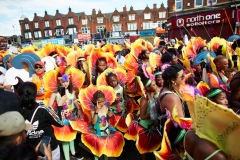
[130, 151]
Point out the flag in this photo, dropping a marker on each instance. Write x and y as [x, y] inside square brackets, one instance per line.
[62, 31]
[67, 32]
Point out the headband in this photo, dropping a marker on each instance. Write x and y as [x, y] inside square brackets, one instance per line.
[148, 83]
[214, 93]
[157, 73]
[180, 136]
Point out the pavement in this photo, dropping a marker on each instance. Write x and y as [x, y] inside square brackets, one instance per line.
[130, 151]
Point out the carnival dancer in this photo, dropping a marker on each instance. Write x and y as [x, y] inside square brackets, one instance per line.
[159, 80]
[142, 129]
[116, 78]
[221, 63]
[182, 140]
[218, 96]
[143, 59]
[169, 97]
[63, 83]
[99, 62]
[217, 135]
[99, 136]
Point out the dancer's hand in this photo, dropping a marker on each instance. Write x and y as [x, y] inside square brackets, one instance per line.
[80, 114]
[98, 107]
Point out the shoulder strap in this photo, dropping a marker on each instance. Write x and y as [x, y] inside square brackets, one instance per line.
[165, 92]
[34, 113]
[210, 156]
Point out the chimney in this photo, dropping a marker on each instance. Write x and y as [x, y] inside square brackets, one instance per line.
[99, 11]
[69, 9]
[124, 11]
[45, 12]
[93, 11]
[154, 6]
[35, 14]
[57, 11]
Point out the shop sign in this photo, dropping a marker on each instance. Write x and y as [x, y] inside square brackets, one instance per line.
[84, 37]
[59, 41]
[207, 18]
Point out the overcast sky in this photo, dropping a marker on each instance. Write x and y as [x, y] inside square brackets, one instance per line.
[10, 10]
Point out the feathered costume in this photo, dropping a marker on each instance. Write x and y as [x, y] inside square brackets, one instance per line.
[101, 139]
[147, 137]
[122, 108]
[65, 133]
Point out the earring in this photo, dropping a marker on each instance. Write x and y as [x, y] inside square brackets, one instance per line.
[175, 83]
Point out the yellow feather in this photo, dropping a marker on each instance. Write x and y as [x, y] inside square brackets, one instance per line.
[212, 63]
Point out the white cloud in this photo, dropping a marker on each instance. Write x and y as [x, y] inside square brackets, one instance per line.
[11, 9]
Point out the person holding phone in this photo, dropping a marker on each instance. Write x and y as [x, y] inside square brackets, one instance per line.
[42, 118]
[71, 112]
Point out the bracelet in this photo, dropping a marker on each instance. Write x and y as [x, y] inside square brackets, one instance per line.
[95, 112]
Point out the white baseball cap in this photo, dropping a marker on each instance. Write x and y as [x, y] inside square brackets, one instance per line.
[12, 123]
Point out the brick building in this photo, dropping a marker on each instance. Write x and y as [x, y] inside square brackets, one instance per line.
[205, 18]
[126, 22]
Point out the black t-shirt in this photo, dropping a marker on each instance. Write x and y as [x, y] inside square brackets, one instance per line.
[42, 123]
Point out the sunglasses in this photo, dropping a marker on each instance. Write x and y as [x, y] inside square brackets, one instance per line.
[36, 67]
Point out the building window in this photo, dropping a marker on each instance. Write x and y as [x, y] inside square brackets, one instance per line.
[46, 23]
[162, 14]
[72, 30]
[147, 16]
[132, 26]
[115, 18]
[147, 25]
[131, 17]
[36, 24]
[211, 2]
[84, 21]
[178, 4]
[28, 35]
[160, 23]
[117, 27]
[58, 22]
[70, 21]
[59, 32]
[37, 34]
[26, 26]
[48, 33]
[198, 3]
[99, 28]
[85, 29]
[100, 20]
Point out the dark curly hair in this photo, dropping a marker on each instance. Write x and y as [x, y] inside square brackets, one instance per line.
[98, 94]
[170, 74]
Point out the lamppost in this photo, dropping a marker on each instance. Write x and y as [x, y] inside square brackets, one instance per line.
[16, 28]
[13, 29]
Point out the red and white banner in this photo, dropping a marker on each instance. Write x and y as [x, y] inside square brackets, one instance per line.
[84, 37]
